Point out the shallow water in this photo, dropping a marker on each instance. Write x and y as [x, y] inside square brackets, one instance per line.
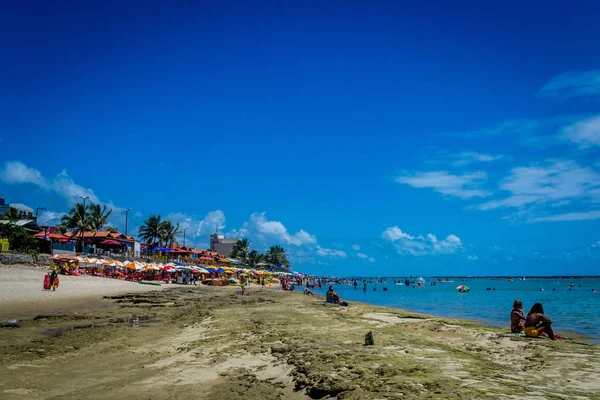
[571, 311]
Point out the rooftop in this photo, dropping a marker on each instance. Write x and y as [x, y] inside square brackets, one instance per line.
[21, 207]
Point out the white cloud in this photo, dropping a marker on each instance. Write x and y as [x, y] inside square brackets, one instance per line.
[331, 253]
[362, 255]
[50, 218]
[557, 182]
[585, 133]
[419, 245]
[212, 221]
[371, 259]
[64, 185]
[355, 247]
[573, 216]
[573, 84]
[394, 233]
[468, 157]
[15, 172]
[472, 257]
[464, 186]
[259, 228]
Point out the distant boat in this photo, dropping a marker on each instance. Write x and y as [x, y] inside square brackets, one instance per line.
[510, 279]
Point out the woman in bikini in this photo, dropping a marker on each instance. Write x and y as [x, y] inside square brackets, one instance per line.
[537, 323]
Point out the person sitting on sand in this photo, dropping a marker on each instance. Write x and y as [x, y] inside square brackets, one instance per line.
[537, 323]
[517, 317]
[329, 295]
[308, 291]
[333, 297]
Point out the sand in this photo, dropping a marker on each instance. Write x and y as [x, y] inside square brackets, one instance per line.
[21, 288]
[212, 343]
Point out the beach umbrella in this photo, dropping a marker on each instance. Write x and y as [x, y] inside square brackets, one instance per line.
[110, 242]
[462, 287]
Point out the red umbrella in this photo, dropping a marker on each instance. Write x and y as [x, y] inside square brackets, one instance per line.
[110, 242]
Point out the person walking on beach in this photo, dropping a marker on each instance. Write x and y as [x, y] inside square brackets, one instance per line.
[517, 317]
[53, 277]
[537, 323]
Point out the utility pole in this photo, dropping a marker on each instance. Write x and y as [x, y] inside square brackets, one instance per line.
[37, 211]
[184, 229]
[126, 219]
[84, 211]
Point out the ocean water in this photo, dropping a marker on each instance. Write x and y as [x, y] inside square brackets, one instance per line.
[577, 310]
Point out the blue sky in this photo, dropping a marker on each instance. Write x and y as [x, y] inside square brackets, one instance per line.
[428, 138]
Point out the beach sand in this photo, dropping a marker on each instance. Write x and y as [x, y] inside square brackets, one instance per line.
[22, 293]
[211, 343]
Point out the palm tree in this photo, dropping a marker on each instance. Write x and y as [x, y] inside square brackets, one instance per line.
[98, 217]
[151, 230]
[62, 228]
[12, 214]
[254, 258]
[276, 256]
[240, 249]
[77, 218]
[169, 231]
[76, 221]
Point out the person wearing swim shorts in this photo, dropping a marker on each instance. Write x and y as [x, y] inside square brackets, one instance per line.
[537, 323]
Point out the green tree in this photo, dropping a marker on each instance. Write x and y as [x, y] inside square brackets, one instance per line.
[168, 232]
[77, 221]
[98, 217]
[240, 249]
[111, 229]
[62, 228]
[151, 230]
[18, 239]
[12, 214]
[255, 257]
[276, 256]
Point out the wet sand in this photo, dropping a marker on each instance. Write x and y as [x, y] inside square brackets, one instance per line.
[212, 343]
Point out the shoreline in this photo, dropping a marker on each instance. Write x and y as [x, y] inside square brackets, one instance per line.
[85, 293]
[209, 342]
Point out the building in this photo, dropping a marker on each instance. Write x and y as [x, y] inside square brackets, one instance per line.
[23, 211]
[222, 245]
